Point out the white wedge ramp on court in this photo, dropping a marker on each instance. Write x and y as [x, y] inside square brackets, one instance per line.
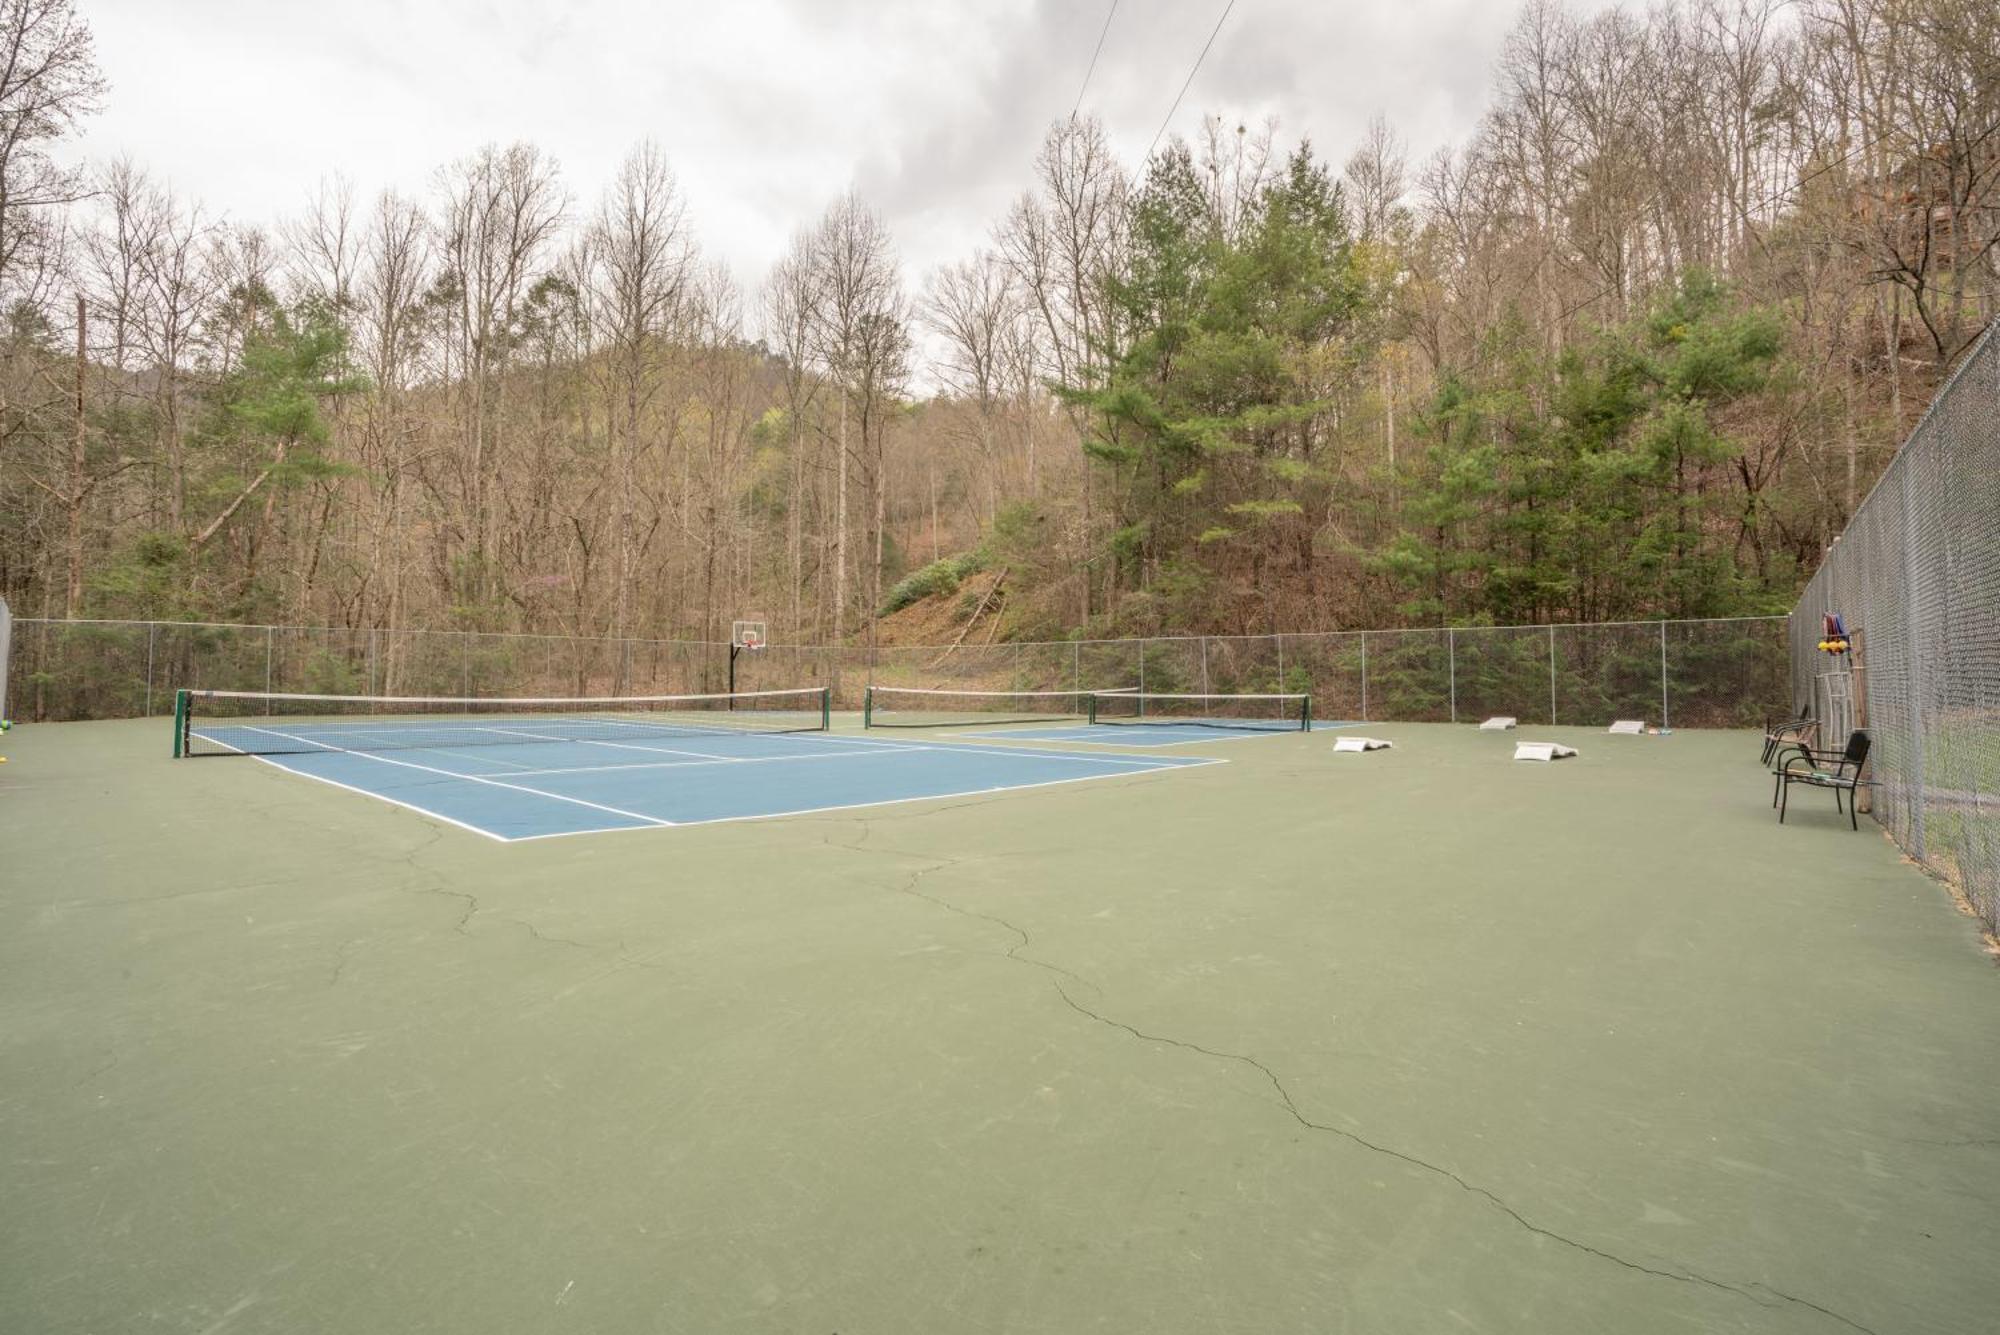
[1542, 751]
[1360, 744]
[1499, 723]
[1635, 727]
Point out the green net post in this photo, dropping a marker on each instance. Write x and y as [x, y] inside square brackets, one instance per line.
[1090, 708]
[826, 709]
[868, 706]
[180, 724]
[1306, 714]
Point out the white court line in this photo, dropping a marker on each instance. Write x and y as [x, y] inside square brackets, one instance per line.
[476, 778]
[1015, 752]
[882, 802]
[879, 749]
[479, 756]
[1213, 735]
[399, 802]
[1145, 765]
[724, 760]
[588, 741]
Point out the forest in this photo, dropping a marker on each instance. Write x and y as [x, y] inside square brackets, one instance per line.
[1636, 349]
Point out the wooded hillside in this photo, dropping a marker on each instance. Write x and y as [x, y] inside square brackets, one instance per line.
[1636, 349]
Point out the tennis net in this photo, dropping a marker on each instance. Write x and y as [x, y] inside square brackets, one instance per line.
[1260, 713]
[923, 707]
[234, 723]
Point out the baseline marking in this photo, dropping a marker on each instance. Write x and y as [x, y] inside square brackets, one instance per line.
[880, 802]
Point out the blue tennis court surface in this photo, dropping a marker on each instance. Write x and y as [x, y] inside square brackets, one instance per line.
[539, 789]
[1150, 734]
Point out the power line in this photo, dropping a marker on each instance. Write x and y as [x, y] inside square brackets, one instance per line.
[1093, 59]
[1190, 78]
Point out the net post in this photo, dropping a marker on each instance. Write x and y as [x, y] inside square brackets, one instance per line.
[1090, 707]
[868, 707]
[180, 724]
[826, 709]
[1306, 714]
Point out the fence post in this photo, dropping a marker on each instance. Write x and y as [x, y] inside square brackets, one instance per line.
[270, 652]
[1075, 666]
[1451, 654]
[1913, 653]
[1281, 662]
[1204, 665]
[1552, 676]
[1665, 723]
[152, 629]
[1364, 676]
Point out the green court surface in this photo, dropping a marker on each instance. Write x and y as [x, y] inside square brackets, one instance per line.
[1423, 1040]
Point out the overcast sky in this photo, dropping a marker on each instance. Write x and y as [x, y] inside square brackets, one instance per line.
[766, 108]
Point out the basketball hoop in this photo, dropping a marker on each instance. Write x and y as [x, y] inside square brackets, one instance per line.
[746, 636]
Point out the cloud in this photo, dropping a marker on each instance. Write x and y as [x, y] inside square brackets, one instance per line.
[766, 108]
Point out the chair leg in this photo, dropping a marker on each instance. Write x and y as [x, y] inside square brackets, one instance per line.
[1853, 806]
[1838, 809]
[1785, 795]
[1777, 782]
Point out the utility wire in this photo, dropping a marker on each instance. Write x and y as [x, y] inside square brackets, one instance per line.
[1190, 78]
[1109, 14]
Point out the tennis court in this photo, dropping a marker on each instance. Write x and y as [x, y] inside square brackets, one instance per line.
[517, 770]
[1418, 1040]
[1126, 716]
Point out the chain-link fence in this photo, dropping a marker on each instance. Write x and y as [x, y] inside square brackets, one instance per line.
[1916, 580]
[64, 670]
[1722, 673]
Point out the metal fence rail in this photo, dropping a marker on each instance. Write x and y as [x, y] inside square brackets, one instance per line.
[1716, 673]
[1916, 578]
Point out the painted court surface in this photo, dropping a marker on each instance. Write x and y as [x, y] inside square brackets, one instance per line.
[669, 777]
[1423, 1040]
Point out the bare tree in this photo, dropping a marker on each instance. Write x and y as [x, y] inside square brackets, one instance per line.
[323, 245]
[792, 299]
[1063, 241]
[973, 307]
[861, 337]
[643, 260]
[49, 81]
[1377, 180]
[501, 212]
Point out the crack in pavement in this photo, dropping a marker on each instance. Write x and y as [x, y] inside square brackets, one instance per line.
[1971, 1142]
[340, 961]
[1753, 1292]
[473, 908]
[1015, 952]
[86, 1078]
[1291, 1107]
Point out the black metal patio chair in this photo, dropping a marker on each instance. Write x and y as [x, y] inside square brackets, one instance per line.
[1786, 732]
[1838, 770]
